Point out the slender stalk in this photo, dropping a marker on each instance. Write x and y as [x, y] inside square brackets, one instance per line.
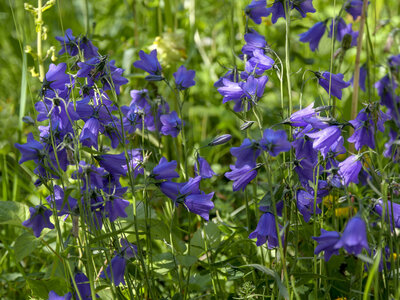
[356, 82]
[39, 23]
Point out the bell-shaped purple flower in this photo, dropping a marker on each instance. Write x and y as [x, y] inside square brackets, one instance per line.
[205, 168]
[129, 250]
[72, 45]
[256, 9]
[171, 189]
[354, 237]
[354, 7]
[247, 153]
[277, 10]
[326, 242]
[305, 204]
[39, 219]
[115, 207]
[83, 285]
[254, 41]
[171, 124]
[275, 142]
[391, 146]
[165, 170]
[242, 176]
[32, 150]
[386, 90]
[314, 35]
[328, 139]
[363, 131]
[184, 78]
[363, 77]
[303, 7]
[332, 82]
[297, 119]
[391, 207]
[64, 206]
[340, 28]
[150, 64]
[118, 264]
[200, 204]
[349, 169]
[266, 231]
[54, 296]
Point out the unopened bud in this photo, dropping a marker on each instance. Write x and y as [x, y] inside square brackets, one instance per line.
[219, 140]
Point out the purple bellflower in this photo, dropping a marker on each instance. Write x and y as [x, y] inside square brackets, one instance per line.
[242, 176]
[256, 9]
[332, 82]
[314, 35]
[386, 90]
[349, 169]
[303, 7]
[115, 207]
[63, 207]
[54, 296]
[266, 231]
[354, 237]
[275, 142]
[363, 77]
[32, 150]
[340, 28]
[118, 264]
[171, 124]
[254, 41]
[364, 132]
[297, 119]
[184, 78]
[190, 196]
[127, 249]
[354, 7]
[165, 170]
[39, 219]
[379, 208]
[326, 242]
[72, 45]
[305, 204]
[83, 285]
[247, 153]
[150, 64]
[205, 168]
[328, 139]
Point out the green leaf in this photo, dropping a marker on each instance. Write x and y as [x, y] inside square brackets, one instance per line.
[13, 213]
[25, 244]
[282, 289]
[186, 260]
[41, 288]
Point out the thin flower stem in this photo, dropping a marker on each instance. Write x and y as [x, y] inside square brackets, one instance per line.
[356, 82]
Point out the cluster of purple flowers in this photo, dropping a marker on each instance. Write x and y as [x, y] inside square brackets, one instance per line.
[343, 32]
[79, 118]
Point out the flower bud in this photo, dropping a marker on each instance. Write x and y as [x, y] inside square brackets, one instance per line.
[219, 140]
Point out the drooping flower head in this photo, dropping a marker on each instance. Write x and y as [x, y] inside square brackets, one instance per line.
[150, 64]
[266, 231]
[184, 78]
[204, 167]
[116, 271]
[275, 142]
[354, 237]
[314, 35]
[326, 242]
[349, 169]
[242, 176]
[256, 9]
[165, 170]
[39, 219]
[332, 83]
